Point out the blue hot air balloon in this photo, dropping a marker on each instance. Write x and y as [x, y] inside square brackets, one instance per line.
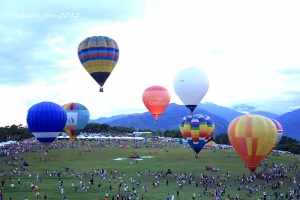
[46, 121]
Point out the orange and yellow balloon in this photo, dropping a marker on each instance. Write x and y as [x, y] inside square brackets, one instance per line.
[252, 136]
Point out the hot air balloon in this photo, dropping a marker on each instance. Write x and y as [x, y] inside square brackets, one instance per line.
[279, 133]
[77, 118]
[252, 136]
[191, 85]
[46, 121]
[99, 56]
[181, 125]
[156, 99]
[197, 129]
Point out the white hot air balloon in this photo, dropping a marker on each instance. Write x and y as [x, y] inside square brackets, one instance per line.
[191, 85]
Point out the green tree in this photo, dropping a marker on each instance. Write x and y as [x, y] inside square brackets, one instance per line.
[222, 139]
[159, 133]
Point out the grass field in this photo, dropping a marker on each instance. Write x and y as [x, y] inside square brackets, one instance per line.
[179, 160]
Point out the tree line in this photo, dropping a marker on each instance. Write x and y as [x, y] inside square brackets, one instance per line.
[19, 133]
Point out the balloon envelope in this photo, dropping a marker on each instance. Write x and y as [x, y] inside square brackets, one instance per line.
[197, 147]
[46, 121]
[99, 56]
[156, 99]
[279, 131]
[77, 118]
[197, 129]
[191, 85]
[252, 137]
[181, 126]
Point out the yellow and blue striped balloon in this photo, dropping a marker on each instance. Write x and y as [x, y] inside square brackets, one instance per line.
[99, 56]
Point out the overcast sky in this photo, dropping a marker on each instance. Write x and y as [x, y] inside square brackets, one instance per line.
[250, 51]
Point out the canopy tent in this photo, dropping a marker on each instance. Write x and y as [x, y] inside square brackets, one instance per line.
[97, 137]
[210, 144]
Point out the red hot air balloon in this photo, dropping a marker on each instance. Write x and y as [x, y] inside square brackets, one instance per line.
[156, 99]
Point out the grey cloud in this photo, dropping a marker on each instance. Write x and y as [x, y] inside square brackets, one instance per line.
[242, 108]
[292, 93]
[26, 53]
[280, 104]
[289, 71]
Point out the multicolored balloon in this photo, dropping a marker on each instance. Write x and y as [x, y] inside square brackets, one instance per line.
[77, 118]
[185, 119]
[279, 134]
[252, 136]
[279, 131]
[191, 85]
[197, 129]
[99, 56]
[46, 121]
[156, 99]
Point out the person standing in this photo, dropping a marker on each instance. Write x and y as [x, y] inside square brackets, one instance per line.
[168, 197]
[45, 197]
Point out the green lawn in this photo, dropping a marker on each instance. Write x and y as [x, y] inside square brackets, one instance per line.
[179, 160]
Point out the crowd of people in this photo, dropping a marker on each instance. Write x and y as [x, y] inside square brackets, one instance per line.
[118, 186]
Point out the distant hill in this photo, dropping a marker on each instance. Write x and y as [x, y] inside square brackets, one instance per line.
[222, 116]
[221, 111]
[291, 124]
[169, 120]
[105, 120]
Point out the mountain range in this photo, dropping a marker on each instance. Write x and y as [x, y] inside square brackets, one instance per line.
[222, 116]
